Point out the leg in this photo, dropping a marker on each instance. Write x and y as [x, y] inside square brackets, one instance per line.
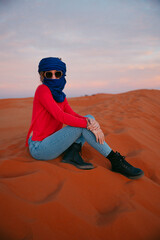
[54, 145]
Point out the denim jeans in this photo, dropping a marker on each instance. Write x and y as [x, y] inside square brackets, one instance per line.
[55, 144]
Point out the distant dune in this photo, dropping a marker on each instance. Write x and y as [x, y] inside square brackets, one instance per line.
[50, 200]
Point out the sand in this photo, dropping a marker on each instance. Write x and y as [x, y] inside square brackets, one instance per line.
[45, 200]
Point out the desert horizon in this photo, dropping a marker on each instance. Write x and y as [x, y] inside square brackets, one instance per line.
[85, 94]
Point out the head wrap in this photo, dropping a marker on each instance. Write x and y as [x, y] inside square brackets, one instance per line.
[55, 85]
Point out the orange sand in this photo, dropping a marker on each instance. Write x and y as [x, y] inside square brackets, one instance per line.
[51, 200]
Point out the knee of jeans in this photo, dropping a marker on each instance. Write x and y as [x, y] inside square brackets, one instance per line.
[89, 115]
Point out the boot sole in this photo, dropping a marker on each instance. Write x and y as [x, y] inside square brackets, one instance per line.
[136, 177]
[132, 177]
[78, 166]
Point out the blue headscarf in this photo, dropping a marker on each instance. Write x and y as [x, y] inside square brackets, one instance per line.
[55, 85]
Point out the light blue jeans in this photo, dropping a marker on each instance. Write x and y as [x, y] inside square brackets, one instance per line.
[54, 145]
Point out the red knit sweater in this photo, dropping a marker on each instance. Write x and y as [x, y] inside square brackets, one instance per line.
[48, 115]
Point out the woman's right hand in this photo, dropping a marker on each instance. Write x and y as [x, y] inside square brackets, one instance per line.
[99, 135]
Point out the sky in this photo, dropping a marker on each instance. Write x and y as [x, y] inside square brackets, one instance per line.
[109, 46]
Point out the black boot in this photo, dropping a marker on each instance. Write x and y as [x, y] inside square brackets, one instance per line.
[72, 156]
[120, 165]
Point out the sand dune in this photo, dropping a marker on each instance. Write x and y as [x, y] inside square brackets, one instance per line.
[53, 200]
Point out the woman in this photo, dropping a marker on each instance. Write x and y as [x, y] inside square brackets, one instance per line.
[51, 109]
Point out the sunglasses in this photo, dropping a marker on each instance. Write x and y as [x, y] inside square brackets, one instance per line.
[49, 75]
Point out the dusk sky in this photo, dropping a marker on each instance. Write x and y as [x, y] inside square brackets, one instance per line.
[109, 46]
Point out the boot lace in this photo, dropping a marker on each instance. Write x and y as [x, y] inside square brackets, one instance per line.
[124, 163]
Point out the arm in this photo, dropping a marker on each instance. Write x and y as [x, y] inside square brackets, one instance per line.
[90, 122]
[45, 98]
[69, 110]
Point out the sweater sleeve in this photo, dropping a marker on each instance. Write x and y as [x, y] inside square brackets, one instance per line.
[69, 110]
[44, 96]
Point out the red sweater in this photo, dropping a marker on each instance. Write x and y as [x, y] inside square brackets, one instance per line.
[48, 115]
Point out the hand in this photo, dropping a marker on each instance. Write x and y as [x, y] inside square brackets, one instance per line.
[93, 124]
[99, 136]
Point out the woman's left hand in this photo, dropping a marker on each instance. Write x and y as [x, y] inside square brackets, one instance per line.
[94, 125]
